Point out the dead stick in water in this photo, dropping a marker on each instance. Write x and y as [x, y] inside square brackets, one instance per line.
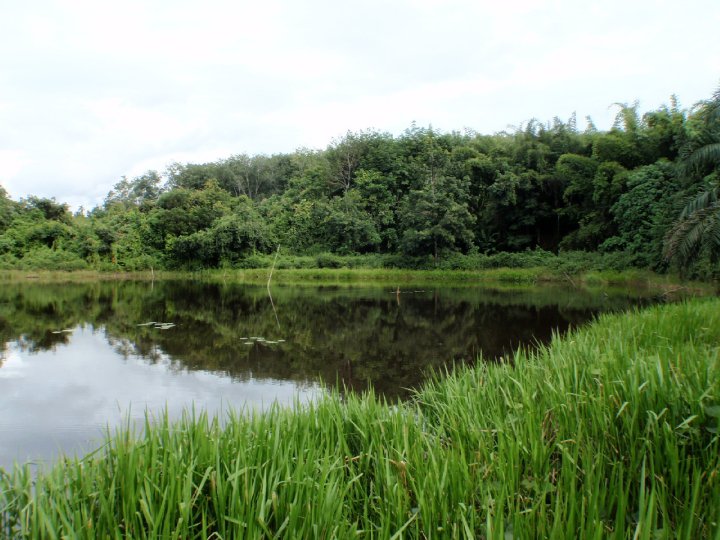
[268, 286]
[273, 267]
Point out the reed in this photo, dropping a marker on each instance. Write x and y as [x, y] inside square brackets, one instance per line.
[608, 432]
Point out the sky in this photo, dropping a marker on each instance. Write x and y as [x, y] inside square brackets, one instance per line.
[91, 90]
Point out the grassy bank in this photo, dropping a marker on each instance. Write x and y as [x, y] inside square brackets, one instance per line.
[611, 431]
[385, 277]
[390, 276]
[82, 276]
[529, 267]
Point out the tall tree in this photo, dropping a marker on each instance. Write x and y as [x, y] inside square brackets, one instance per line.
[141, 191]
[697, 229]
[7, 210]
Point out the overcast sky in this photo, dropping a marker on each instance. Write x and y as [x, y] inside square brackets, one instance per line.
[93, 90]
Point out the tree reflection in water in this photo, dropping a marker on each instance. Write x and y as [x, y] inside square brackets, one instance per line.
[352, 337]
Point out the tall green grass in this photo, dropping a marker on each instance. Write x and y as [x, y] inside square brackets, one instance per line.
[609, 432]
[382, 276]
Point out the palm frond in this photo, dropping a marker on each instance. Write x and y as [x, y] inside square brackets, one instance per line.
[698, 226]
[698, 229]
[714, 232]
[705, 156]
[703, 200]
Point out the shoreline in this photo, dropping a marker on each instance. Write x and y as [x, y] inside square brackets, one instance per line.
[379, 276]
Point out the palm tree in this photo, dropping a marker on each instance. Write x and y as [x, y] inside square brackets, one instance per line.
[698, 227]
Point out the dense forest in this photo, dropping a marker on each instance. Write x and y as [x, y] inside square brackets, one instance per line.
[643, 194]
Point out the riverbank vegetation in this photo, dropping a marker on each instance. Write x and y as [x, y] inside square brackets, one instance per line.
[377, 277]
[641, 195]
[610, 431]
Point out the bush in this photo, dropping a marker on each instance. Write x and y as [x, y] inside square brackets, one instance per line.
[8, 262]
[567, 262]
[44, 258]
[328, 260]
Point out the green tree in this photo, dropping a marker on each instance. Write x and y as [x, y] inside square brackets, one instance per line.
[511, 213]
[344, 156]
[644, 212]
[232, 236]
[348, 228]
[697, 230]
[375, 194]
[49, 208]
[141, 191]
[577, 174]
[436, 219]
[256, 176]
[182, 211]
[8, 209]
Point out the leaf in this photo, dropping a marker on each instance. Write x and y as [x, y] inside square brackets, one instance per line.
[686, 423]
[713, 411]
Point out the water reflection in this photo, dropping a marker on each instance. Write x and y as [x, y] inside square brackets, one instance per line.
[63, 399]
[78, 357]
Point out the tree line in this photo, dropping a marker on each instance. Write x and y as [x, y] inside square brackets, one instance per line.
[645, 191]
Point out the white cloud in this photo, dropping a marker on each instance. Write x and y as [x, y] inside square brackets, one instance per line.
[12, 163]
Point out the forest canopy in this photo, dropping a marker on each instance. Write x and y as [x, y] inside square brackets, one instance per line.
[642, 194]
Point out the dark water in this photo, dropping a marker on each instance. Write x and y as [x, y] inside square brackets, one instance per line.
[77, 358]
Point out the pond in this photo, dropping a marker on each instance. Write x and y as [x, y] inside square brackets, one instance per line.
[77, 359]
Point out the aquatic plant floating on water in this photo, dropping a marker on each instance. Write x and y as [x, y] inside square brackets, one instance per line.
[165, 326]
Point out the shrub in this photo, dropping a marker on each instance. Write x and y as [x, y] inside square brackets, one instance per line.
[44, 258]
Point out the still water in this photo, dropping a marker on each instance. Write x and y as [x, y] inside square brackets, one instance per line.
[77, 359]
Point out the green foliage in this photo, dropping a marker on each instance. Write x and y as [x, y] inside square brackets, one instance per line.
[416, 199]
[138, 192]
[253, 176]
[7, 210]
[49, 208]
[644, 213]
[44, 257]
[696, 233]
[347, 227]
[375, 196]
[231, 237]
[697, 230]
[435, 224]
